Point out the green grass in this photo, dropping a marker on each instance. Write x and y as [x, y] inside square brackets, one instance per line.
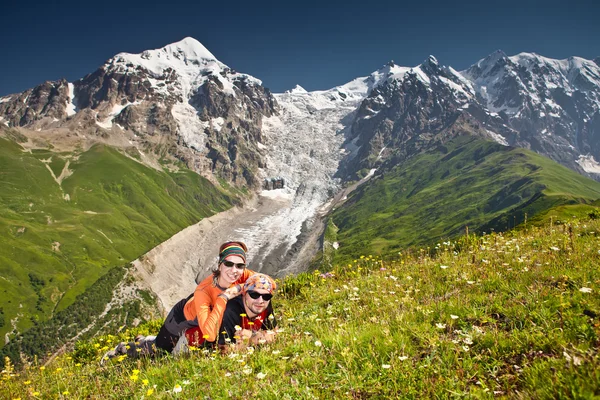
[117, 210]
[437, 195]
[513, 315]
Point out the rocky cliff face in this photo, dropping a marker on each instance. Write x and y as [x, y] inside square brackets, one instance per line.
[178, 101]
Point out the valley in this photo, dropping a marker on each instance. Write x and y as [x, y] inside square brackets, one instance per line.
[158, 157]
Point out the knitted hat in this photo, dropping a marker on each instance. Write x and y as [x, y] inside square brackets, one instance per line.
[232, 249]
[259, 281]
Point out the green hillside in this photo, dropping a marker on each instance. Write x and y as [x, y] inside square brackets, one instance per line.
[58, 239]
[512, 315]
[436, 195]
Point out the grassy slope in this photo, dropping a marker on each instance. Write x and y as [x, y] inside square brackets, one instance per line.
[118, 210]
[513, 315]
[469, 182]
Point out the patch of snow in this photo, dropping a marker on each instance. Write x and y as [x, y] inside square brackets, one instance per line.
[217, 124]
[71, 108]
[297, 89]
[371, 173]
[456, 87]
[422, 75]
[497, 138]
[190, 127]
[115, 110]
[589, 164]
[4, 99]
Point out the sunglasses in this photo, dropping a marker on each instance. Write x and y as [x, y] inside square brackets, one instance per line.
[230, 264]
[256, 295]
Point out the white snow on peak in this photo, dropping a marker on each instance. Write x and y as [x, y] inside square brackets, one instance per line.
[389, 72]
[189, 59]
[192, 48]
[4, 99]
[498, 75]
[178, 70]
[71, 108]
[589, 164]
[297, 89]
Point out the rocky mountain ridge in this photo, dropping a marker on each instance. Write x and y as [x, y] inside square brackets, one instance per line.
[549, 106]
[178, 101]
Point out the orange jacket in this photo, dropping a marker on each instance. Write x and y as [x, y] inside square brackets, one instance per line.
[207, 307]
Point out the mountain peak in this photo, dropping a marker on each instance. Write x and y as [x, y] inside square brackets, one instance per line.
[181, 54]
[297, 89]
[431, 60]
[597, 61]
[191, 47]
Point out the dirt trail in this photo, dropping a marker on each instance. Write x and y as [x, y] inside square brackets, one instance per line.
[170, 269]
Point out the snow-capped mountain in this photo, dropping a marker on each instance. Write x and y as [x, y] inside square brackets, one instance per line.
[180, 101]
[179, 97]
[552, 105]
[549, 106]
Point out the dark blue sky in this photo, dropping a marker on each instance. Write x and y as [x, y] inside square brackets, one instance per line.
[317, 44]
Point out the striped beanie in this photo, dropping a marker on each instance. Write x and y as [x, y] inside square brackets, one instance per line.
[259, 281]
[232, 249]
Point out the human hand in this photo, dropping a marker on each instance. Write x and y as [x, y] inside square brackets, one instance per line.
[233, 291]
[245, 333]
[269, 336]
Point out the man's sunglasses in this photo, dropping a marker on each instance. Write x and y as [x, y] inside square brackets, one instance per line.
[230, 264]
[256, 295]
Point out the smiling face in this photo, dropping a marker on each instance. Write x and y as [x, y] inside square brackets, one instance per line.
[228, 275]
[255, 306]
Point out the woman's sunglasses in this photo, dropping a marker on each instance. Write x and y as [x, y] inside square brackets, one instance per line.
[230, 264]
[256, 295]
